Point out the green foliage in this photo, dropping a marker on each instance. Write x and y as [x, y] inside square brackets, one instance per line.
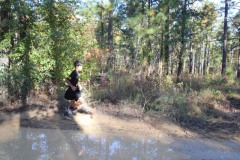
[45, 46]
[5, 44]
[215, 81]
[168, 81]
[231, 74]
[210, 94]
[3, 74]
[171, 104]
[43, 64]
[44, 39]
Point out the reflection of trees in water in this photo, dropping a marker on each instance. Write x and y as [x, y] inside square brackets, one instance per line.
[3, 154]
[17, 148]
[39, 144]
[119, 148]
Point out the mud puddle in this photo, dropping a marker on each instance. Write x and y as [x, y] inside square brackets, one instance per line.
[44, 144]
[103, 137]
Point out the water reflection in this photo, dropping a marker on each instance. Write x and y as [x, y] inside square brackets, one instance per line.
[41, 144]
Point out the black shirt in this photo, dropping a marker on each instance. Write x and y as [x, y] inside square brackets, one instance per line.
[73, 78]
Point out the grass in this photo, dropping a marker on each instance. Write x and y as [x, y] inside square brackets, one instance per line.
[195, 97]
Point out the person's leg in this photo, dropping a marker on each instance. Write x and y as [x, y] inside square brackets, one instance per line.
[79, 102]
[75, 104]
[69, 95]
[82, 106]
[68, 109]
[72, 103]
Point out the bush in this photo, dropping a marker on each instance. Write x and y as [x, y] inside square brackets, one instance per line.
[215, 81]
[127, 86]
[210, 94]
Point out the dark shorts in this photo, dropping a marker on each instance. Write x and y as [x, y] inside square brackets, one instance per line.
[72, 95]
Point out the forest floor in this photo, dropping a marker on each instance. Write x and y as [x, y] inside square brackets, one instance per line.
[44, 111]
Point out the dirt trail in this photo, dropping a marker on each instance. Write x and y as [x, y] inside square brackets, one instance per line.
[44, 112]
[99, 122]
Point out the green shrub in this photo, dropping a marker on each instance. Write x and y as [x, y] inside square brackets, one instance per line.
[215, 81]
[168, 81]
[210, 94]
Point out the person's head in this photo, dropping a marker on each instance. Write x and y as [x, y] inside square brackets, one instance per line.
[78, 65]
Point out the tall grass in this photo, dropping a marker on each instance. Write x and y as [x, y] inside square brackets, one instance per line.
[193, 97]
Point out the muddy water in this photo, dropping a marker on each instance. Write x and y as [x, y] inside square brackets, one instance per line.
[42, 144]
[46, 144]
[103, 137]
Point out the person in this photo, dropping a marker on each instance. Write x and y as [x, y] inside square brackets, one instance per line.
[73, 93]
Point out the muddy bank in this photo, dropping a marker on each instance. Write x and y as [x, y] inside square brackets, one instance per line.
[43, 111]
[110, 131]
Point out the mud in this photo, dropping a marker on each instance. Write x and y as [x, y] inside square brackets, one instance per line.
[109, 132]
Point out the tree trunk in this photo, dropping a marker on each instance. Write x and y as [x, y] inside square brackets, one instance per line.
[193, 60]
[149, 42]
[238, 70]
[4, 17]
[224, 53]
[102, 29]
[111, 58]
[160, 58]
[143, 8]
[110, 32]
[4, 20]
[166, 42]
[199, 58]
[170, 61]
[191, 49]
[182, 50]
[24, 36]
[202, 57]
[205, 57]
[208, 57]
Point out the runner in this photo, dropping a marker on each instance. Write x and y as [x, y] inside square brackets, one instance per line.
[73, 93]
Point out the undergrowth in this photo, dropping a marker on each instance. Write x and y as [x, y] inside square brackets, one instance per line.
[192, 97]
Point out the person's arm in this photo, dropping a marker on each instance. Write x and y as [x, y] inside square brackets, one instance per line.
[70, 85]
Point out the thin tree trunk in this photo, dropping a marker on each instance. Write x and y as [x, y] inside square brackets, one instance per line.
[194, 60]
[4, 17]
[180, 57]
[224, 53]
[161, 56]
[202, 57]
[191, 59]
[238, 69]
[166, 42]
[231, 56]
[102, 29]
[208, 56]
[205, 57]
[143, 8]
[149, 47]
[110, 32]
[191, 49]
[199, 60]
[170, 61]
[110, 40]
